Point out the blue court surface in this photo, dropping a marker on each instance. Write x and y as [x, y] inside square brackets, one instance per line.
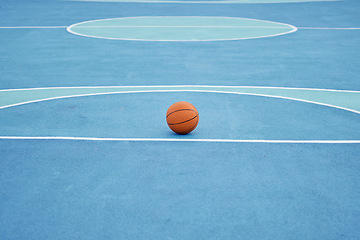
[85, 150]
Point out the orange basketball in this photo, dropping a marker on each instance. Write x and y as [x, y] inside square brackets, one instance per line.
[182, 117]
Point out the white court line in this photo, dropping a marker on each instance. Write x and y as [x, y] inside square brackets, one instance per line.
[327, 28]
[179, 86]
[50, 27]
[180, 140]
[69, 29]
[24, 27]
[179, 90]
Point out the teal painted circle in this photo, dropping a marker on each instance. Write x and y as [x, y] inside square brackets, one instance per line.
[209, 1]
[180, 28]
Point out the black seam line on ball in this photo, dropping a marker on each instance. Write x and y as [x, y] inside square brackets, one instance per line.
[194, 125]
[180, 111]
[191, 129]
[184, 121]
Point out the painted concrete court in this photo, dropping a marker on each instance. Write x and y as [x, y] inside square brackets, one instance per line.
[85, 151]
[180, 28]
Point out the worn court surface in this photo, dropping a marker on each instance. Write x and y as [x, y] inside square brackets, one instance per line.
[85, 151]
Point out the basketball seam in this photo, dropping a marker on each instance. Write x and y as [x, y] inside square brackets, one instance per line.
[184, 121]
[194, 125]
[191, 129]
[180, 111]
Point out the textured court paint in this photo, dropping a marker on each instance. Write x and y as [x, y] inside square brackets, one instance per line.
[346, 100]
[207, 1]
[88, 190]
[182, 140]
[175, 28]
[142, 116]
[296, 65]
[60, 189]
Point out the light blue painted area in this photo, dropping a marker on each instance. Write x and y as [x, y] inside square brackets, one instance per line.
[347, 100]
[209, 1]
[245, 113]
[180, 28]
[139, 113]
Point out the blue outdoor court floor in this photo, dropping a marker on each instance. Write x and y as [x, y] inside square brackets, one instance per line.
[85, 151]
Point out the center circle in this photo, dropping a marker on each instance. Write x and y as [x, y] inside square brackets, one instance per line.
[180, 28]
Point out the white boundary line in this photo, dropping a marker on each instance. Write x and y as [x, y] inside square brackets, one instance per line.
[179, 86]
[180, 140]
[293, 29]
[327, 28]
[165, 91]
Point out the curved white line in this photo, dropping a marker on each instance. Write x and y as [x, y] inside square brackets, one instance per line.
[181, 140]
[157, 91]
[293, 29]
[179, 86]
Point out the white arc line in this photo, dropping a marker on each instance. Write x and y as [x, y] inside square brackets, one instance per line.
[283, 25]
[165, 91]
[179, 86]
[181, 140]
[328, 28]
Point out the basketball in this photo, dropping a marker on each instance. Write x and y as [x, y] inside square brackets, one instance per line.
[182, 117]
